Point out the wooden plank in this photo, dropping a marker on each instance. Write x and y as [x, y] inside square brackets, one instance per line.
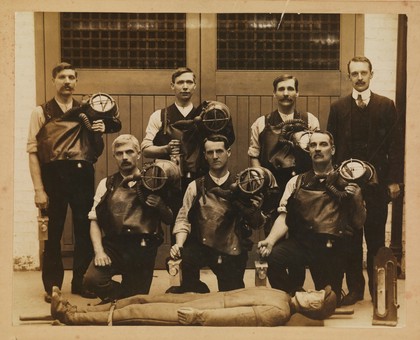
[242, 133]
[324, 109]
[256, 82]
[313, 106]
[267, 104]
[302, 103]
[232, 103]
[136, 117]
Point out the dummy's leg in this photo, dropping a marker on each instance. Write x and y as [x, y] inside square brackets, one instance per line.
[235, 316]
[137, 314]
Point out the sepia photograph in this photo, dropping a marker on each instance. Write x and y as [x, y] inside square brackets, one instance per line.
[210, 169]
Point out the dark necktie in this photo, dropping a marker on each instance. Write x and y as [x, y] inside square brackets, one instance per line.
[359, 101]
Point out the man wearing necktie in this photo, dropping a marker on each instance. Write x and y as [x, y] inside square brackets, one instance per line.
[366, 126]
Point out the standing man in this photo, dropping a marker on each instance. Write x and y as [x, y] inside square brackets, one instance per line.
[61, 157]
[318, 223]
[265, 149]
[365, 126]
[215, 226]
[125, 228]
[161, 141]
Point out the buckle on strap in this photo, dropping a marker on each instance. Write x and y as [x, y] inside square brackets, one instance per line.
[111, 312]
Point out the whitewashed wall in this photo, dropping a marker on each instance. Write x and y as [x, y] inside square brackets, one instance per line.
[380, 47]
[26, 245]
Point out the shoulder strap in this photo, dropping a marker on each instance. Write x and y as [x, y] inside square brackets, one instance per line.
[164, 119]
[110, 182]
[45, 110]
[201, 190]
[299, 181]
[304, 117]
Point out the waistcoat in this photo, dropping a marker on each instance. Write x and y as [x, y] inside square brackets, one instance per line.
[121, 212]
[60, 139]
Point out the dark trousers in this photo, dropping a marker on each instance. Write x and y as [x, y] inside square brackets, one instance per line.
[326, 264]
[67, 183]
[374, 230]
[133, 261]
[229, 269]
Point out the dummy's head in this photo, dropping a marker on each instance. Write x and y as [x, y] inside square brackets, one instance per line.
[318, 305]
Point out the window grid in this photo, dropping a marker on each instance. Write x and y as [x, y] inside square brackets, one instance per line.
[259, 42]
[124, 40]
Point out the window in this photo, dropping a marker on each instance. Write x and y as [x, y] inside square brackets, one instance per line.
[124, 40]
[262, 42]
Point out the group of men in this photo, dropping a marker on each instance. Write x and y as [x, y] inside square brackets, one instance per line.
[118, 229]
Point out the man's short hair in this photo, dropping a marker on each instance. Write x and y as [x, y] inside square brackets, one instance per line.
[284, 77]
[325, 132]
[359, 59]
[62, 66]
[125, 139]
[181, 70]
[217, 138]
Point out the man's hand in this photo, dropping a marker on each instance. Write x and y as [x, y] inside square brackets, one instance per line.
[354, 190]
[394, 190]
[174, 147]
[41, 199]
[175, 251]
[155, 201]
[102, 259]
[98, 126]
[264, 248]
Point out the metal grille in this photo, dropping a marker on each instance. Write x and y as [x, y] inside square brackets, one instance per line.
[262, 42]
[124, 40]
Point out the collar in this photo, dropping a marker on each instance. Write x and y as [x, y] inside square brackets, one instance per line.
[131, 183]
[365, 95]
[64, 107]
[286, 116]
[185, 110]
[220, 180]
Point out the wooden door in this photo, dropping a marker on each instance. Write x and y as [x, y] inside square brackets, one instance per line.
[247, 93]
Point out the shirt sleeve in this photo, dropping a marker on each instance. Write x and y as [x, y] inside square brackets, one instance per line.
[36, 122]
[288, 191]
[152, 129]
[100, 191]
[313, 122]
[254, 144]
[182, 224]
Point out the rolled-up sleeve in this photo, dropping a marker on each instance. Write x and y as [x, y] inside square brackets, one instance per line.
[152, 129]
[254, 144]
[288, 191]
[182, 224]
[36, 121]
[100, 191]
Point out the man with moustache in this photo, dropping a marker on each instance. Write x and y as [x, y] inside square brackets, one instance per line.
[61, 157]
[263, 149]
[213, 226]
[317, 222]
[125, 228]
[366, 126]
